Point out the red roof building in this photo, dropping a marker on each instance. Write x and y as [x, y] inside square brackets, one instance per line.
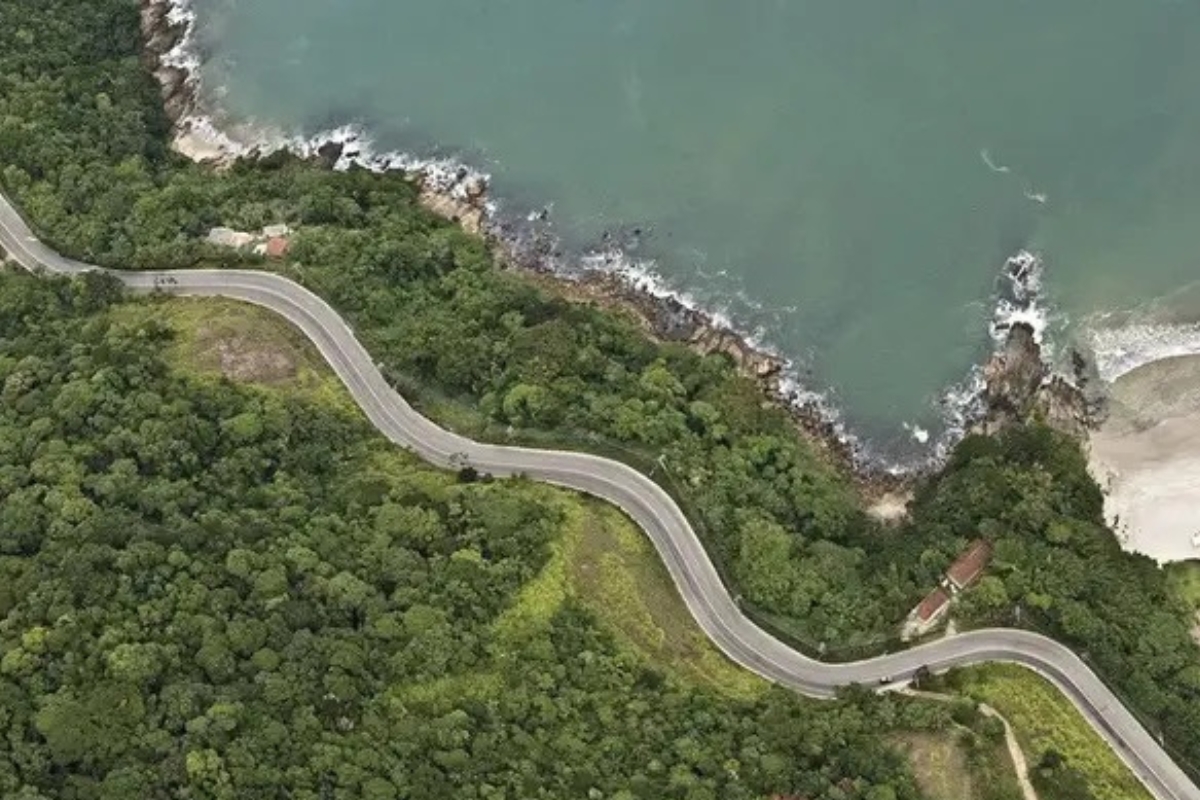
[933, 606]
[970, 565]
[277, 247]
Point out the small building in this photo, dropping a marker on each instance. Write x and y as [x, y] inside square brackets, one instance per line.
[969, 566]
[277, 247]
[927, 614]
[933, 606]
[228, 237]
[965, 570]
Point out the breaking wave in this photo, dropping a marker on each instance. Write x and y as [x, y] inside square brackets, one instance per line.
[1120, 350]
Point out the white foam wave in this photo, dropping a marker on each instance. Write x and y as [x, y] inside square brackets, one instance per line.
[1023, 305]
[1118, 351]
[1037, 197]
[440, 175]
[961, 405]
[1007, 314]
[919, 434]
[643, 275]
[183, 55]
[992, 165]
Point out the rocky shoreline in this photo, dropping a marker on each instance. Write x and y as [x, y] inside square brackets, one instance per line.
[462, 198]
[160, 36]
[1019, 385]
[1017, 379]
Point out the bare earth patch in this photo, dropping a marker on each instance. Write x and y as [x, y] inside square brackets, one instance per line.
[939, 765]
[240, 342]
[244, 360]
[890, 507]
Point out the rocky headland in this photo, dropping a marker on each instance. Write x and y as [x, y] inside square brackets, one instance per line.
[1019, 385]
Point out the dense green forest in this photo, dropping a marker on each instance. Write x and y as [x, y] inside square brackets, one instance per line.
[1029, 491]
[83, 142]
[213, 591]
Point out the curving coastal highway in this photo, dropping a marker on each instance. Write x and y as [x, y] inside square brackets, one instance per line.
[650, 507]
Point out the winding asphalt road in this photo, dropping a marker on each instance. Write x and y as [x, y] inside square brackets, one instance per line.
[650, 507]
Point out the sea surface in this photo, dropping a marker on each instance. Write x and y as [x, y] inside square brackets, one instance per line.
[843, 181]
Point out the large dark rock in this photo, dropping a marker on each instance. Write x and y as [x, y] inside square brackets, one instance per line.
[176, 93]
[329, 153]
[159, 34]
[1013, 376]
[1019, 387]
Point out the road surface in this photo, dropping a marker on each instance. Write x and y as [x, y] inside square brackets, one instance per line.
[650, 507]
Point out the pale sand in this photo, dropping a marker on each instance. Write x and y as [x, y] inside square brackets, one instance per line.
[1146, 457]
[200, 148]
[891, 507]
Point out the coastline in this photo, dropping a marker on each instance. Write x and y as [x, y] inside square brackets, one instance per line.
[460, 195]
[1146, 457]
[992, 395]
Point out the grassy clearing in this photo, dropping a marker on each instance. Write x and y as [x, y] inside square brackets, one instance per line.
[617, 573]
[606, 563]
[939, 764]
[539, 599]
[1044, 719]
[215, 337]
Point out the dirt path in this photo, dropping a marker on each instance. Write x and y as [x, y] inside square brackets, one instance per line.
[1015, 753]
[1014, 747]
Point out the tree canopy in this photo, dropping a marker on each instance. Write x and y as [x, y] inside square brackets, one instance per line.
[215, 591]
[83, 139]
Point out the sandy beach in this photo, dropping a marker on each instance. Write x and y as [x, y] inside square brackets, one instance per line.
[1146, 456]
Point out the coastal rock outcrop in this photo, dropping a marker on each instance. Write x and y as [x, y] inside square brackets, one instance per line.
[668, 319]
[462, 200]
[329, 153]
[161, 34]
[1020, 386]
[1013, 377]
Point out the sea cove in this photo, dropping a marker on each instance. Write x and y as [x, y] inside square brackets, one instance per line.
[843, 181]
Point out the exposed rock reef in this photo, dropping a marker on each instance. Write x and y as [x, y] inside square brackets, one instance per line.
[1020, 386]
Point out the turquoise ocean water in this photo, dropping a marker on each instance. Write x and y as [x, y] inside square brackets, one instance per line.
[844, 180]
